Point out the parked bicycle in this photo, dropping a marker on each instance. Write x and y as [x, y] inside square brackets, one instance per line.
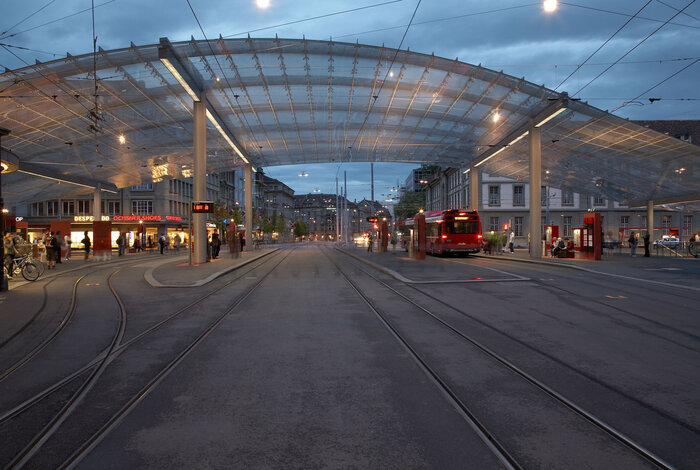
[21, 264]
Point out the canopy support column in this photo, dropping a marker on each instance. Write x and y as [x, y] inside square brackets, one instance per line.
[650, 220]
[474, 189]
[535, 192]
[248, 186]
[97, 203]
[199, 181]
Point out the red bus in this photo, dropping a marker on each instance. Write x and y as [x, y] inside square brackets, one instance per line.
[448, 231]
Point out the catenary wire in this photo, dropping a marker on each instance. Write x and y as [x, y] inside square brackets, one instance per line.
[602, 10]
[55, 21]
[312, 18]
[381, 86]
[632, 49]
[658, 84]
[26, 18]
[603, 45]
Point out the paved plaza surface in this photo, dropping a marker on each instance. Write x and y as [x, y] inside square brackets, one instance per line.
[316, 356]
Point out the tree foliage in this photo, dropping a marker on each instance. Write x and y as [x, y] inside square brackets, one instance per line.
[409, 205]
[300, 228]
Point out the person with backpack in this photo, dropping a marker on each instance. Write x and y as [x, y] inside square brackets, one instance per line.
[161, 242]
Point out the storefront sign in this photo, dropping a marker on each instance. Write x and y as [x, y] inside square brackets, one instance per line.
[128, 218]
[203, 207]
[19, 219]
[89, 218]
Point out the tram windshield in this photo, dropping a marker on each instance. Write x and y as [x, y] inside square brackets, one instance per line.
[462, 227]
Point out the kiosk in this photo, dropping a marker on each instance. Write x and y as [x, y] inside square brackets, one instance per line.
[592, 236]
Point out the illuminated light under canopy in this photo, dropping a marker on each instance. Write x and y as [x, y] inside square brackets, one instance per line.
[550, 5]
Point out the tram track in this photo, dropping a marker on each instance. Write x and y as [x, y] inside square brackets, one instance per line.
[618, 436]
[630, 292]
[16, 410]
[95, 368]
[87, 446]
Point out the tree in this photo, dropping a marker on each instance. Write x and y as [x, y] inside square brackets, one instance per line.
[300, 229]
[281, 226]
[409, 205]
[265, 223]
[217, 217]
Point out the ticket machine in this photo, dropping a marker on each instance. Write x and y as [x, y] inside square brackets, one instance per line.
[592, 236]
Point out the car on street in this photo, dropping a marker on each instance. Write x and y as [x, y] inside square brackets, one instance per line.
[670, 242]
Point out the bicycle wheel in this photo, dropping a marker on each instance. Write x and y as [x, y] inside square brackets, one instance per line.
[30, 272]
[692, 249]
[39, 264]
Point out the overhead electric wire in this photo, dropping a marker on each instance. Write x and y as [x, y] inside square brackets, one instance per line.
[674, 8]
[26, 18]
[381, 87]
[54, 21]
[602, 10]
[437, 20]
[249, 129]
[632, 49]
[604, 43]
[657, 85]
[313, 18]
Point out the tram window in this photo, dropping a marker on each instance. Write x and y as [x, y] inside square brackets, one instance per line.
[462, 227]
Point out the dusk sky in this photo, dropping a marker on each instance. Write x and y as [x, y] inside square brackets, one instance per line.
[517, 37]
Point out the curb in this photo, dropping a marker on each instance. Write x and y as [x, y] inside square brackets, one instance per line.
[148, 275]
[399, 277]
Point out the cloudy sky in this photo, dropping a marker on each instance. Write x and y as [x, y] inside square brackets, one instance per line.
[632, 50]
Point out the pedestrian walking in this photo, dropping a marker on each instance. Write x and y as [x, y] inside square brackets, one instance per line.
[633, 243]
[370, 243]
[177, 240]
[393, 243]
[241, 239]
[60, 243]
[161, 242]
[137, 244]
[86, 243]
[646, 245]
[67, 240]
[511, 240]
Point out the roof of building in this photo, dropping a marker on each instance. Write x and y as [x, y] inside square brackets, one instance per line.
[291, 101]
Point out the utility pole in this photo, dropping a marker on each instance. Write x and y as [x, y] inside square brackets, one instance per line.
[337, 212]
[3, 279]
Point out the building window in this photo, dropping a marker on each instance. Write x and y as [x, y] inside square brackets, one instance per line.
[687, 225]
[68, 208]
[113, 207]
[644, 222]
[666, 224]
[518, 226]
[624, 221]
[83, 207]
[567, 226]
[143, 187]
[598, 201]
[494, 195]
[141, 207]
[567, 198]
[52, 208]
[519, 195]
[493, 224]
[37, 209]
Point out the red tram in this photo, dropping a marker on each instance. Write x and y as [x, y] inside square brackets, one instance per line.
[448, 231]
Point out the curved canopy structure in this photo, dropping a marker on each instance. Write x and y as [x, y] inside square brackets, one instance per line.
[289, 101]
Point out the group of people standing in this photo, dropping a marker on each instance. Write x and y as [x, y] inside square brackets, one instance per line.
[632, 240]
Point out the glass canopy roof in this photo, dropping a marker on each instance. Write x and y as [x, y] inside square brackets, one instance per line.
[292, 101]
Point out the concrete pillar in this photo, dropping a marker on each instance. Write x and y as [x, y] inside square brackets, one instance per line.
[199, 182]
[248, 185]
[96, 202]
[535, 195]
[474, 189]
[650, 220]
